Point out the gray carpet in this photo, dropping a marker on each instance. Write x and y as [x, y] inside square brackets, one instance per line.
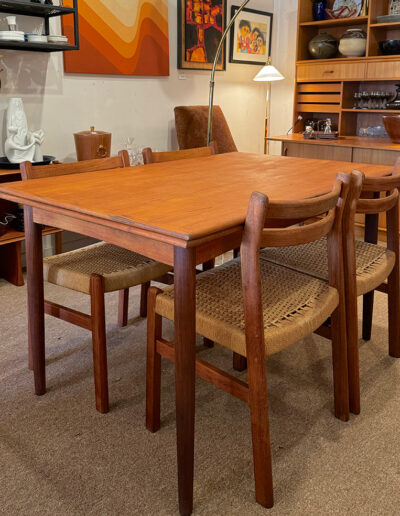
[58, 456]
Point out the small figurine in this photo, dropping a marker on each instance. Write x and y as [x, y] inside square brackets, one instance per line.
[328, 126]
[21, 144]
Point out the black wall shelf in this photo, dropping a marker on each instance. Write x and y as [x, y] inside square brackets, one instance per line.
[45, 11]
[31, 9]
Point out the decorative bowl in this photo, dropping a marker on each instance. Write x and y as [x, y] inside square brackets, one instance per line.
[390, 47]
[392, 126]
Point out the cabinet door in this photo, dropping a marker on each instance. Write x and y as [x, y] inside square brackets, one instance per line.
[328, 72]
[382, 70]
[375, 156]
[316, 151]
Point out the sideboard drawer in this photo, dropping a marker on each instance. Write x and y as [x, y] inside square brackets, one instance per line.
[329, 72]
[383, 70]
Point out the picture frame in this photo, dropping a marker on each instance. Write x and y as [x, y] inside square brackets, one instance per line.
[201, 24]
[250, 37]
[394, 8]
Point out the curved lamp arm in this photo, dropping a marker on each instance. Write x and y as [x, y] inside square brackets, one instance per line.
[211, 95]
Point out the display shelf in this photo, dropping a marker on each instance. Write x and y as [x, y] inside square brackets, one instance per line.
[344, 22]
[31, 9]
[390, 25]
[381, 111]
[12, 235]
[46, 12]
[36, 47]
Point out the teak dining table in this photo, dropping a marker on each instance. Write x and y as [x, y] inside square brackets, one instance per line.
[181, 213]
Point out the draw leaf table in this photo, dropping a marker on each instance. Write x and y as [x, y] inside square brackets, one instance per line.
[181, 213]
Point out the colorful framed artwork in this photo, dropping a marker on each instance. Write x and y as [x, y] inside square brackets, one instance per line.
[250, 38]
[201, 24]
[119, 37]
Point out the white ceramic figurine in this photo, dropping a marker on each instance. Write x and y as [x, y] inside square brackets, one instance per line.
[21, 144]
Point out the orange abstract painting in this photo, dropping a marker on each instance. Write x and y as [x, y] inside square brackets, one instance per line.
[119, 37]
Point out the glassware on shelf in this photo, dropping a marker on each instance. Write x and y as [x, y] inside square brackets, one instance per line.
[373, 132]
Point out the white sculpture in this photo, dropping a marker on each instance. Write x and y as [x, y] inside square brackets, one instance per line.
[21, 144]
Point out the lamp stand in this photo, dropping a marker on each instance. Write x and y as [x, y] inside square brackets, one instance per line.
[267, 117]
[211, 94]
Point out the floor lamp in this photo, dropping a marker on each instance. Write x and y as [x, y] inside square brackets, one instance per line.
[268, 74]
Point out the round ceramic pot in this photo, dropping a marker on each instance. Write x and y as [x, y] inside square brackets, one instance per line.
[353, 43]
[392, 126]
[323, 46]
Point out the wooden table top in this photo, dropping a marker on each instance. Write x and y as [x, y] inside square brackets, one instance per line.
[185, 199]
[343, 141]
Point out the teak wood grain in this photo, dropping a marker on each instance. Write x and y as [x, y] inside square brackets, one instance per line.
[189, 195]
[159, 210]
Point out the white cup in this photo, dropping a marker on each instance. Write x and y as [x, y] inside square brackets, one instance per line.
[12, 22]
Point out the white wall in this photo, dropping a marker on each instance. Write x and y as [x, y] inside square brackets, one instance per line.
[284, 59]
[132, 106]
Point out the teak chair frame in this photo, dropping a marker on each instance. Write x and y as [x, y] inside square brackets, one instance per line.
[329, 209]
[370, 203]
[95, 322]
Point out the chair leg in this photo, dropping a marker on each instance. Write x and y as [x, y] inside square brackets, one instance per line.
[371, 236]
[153, 364]
[123, 305]
[210, 264]
[143, 299]
[58, 243]
[394, 314]
[368, 309]
[339, 360]
[258, 402]
[239, 363]
[99, 342]
[392, 223]
[352, 351]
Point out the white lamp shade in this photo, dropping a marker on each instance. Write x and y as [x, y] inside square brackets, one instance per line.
[268, 74]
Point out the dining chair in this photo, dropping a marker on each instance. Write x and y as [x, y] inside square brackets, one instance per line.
[95, 270]
[161, 157]
[191, 124]
[257, 308]
[367, 266]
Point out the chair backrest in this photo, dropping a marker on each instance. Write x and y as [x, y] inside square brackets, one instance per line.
[322, 216]
[160, 157]
[371, 200]
[28, 171]
[191, 128]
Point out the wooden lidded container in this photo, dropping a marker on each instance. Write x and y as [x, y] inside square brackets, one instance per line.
[92, 144]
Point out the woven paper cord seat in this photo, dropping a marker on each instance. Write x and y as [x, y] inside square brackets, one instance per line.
[294, 305]
[120, 268]
[374, 262]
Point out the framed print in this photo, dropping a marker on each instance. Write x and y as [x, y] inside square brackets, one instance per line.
[250, 38]
[201, 24]
[394, 7]
[119, 37]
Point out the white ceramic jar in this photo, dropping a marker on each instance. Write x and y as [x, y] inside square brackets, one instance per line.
[353, 43]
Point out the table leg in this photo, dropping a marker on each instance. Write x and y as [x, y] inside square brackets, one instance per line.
[185, 353]
[34, 266]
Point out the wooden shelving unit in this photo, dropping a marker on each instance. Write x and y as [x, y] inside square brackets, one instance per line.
[10, 242]
[46, 12]
[326, 87]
